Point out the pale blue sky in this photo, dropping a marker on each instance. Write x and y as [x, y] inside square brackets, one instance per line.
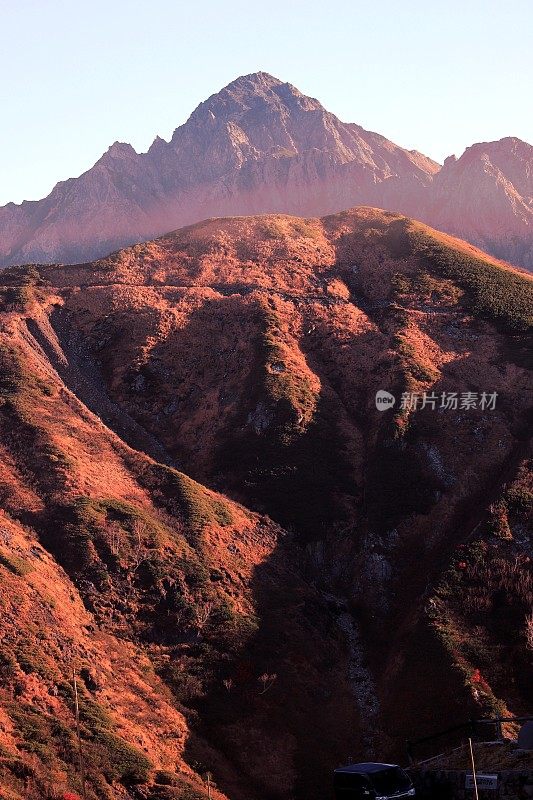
[77, 75]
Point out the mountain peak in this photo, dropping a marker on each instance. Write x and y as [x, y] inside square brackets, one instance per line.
[509, 145]
[266, 85]
[258, 91]
[259, 79]
[261, 145]
[115, 154]
[121, 150]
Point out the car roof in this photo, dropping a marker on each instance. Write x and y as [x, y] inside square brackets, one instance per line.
[366, 768]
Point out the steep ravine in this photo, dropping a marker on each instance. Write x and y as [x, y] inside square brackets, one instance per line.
[361, 680]
[74, 363]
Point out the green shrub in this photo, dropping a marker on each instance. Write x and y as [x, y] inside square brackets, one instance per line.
[503, 296]
[31, 659]
[121, 761]
[165, 777]
[15, 564]
[197, 506]
[92, 715]
[425, 287]
[32, 725]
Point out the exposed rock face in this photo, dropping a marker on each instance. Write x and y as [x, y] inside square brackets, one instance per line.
[247, 353]
[486, 197]
[259, 146]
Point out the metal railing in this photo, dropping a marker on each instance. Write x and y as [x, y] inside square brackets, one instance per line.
[456, 735]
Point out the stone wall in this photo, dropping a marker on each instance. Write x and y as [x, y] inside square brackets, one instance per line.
[450, 785]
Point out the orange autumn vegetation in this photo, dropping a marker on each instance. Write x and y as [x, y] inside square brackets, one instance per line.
[196, 487]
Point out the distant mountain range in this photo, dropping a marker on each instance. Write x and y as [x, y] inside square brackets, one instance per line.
[259, 146]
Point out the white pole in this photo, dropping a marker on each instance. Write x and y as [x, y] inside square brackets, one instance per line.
[473, 769]
[78, 733]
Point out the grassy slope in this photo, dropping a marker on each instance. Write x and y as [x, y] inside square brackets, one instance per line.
[154, 569]
[147, 547]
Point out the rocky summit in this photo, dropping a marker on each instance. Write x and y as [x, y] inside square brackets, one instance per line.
[261, 146]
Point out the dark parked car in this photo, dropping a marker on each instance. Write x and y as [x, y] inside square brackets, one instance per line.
[372, 781]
